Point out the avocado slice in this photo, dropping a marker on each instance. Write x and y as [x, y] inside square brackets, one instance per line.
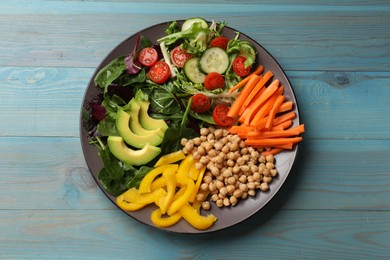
[138, 141]
[148, 122]
[135, 124]
[120, 150]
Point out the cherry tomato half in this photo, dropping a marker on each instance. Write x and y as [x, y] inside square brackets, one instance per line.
[200, 103]
[239, 66]
[148, 56]
[220, 42]
[214, 80]
[220, 116]
[179, 56]
[159, 72]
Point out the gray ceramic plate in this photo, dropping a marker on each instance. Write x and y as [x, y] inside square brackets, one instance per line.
[227, 217]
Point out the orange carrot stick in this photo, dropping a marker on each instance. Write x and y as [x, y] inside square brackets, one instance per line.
[271, 116]
[233, 111]
[285, 117]
[273, 151]
[240, 128]
[286, 106]
[240, 84]
[267, 76]
[286, 146]
[264, 103]
[272, 134]
[283, 125]
[271, 142]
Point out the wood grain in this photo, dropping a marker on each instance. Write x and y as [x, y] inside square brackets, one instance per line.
[68, 33]
[335, 203]
[93, 234]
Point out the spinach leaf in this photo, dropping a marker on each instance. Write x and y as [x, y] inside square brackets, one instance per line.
[109, 73]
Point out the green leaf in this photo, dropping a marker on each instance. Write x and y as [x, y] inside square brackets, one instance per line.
[110, 73]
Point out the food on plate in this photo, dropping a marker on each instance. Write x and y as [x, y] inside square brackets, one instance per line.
[187, 120]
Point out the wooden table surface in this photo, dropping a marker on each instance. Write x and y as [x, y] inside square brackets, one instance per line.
[336, 201]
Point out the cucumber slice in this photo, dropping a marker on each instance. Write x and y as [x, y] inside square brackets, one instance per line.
[214, 59]
[191, 70]
[189, 22]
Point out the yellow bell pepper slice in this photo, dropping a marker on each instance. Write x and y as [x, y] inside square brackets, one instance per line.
[196, 220]
[158, 183]
[194, 173]
[185, 167]
[170, 177]
[197, 184]
[170, 158]
[128, 206]
[144, 186]
[133, 195]
[183, 199]
[160, 221]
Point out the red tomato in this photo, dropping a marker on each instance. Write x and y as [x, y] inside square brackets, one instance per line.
[179, 56]
[160, 72]
[213, 81]
[220, 42]
[220, 116]
[239, 66]
[148, 56]
[200, 103]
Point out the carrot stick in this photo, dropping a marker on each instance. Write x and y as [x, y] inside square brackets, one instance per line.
[273, 151]
[240, 128]
[272, 134]
[282, 126]
[233, 111]
[273, 141]
[271, 116]
[240, 84]
[300, 128]
[286, 106]
[286, 146]
[266, 101]
[258, 86]
[285, 117]
[251, 106]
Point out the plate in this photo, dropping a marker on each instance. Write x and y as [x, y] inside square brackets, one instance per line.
[227, 217]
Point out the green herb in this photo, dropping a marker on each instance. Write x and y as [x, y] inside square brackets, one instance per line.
[110, 73]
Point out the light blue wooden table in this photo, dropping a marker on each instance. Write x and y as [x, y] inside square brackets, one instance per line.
[334, 205]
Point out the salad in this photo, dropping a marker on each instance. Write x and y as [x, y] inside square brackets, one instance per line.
[172, 113]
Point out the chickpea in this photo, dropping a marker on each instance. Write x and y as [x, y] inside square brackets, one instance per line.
[264, 186]
[226, 202]
[252, 193]
[233, 200]
[243, 187]
[214, 170]
[274, 172]
[270, 158]
[183, 141]
[251, 185]
[210, 137]
[242, 179]
[237, 193]
[212, 153]
[199, 196]
[207, 179]
[223, 191]
[219, 184]
[204, 131]
[225, 149]
[206, 205]
[234, 147]
[189, 146]
[219, 203]
[245, 168]
[267, 179]
[204, 160]
[262, 159]
[244, 195]
[250, 178]
[227, 173]
[230, 189]
[196, 155]
[208, 146]
[231, 180]
[218, 133]
[230, 163]
[204, 187]
[197, 141]
[270, 165]
[214, 197]
[244, 151]
[236, 169]
[202, 139]
[240, 161]
[199, 165]
[212, 187]
[218, 146]
[256, 176]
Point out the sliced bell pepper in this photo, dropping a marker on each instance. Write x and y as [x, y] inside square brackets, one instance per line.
[197, 184]
[170, 177]
[195, 219]
[185, 167]
[170, 158]
[183, 199]
[128, 206]
[160, 221]
[133, 195]
[144, 186]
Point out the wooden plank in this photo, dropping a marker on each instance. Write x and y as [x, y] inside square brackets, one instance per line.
[51, 173]
[107, 234]
[338, 38]
[46, 102]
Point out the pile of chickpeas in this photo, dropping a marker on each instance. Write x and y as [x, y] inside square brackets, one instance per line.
[233, 170]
